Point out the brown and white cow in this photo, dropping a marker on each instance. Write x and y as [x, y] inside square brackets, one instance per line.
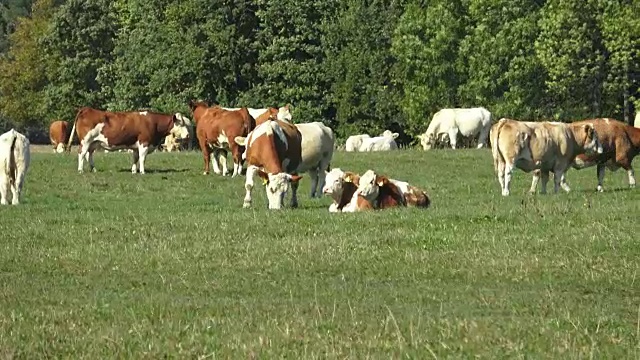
[341, 185]
[620, 144]
[58, 131]
[540, 147]
[216, 130]
[138, 131]
[273, 151]
[261, 115]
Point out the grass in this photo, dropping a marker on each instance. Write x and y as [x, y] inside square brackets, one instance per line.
[115, 265]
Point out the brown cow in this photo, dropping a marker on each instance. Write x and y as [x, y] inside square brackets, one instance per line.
[58, 131]
[620, 144]
[141, 131]
[341, 185]
[274, 151]
[378, 191]
[214, 129]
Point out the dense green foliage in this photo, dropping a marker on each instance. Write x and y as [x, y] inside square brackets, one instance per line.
[168, 265]
[357, 65]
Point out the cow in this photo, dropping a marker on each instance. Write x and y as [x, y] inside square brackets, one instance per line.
[354, 142]
[15, 158]
[171, 143]
[539, 147]
[273, 150]
[138, 131]
[215, 129]
[620, 144]
[317, 151]
[636, 122]
[58, 131]
[375, 192]
[466, 121]
[384, 142]
[340, 186]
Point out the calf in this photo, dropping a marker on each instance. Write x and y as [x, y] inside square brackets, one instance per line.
[341, 186]
[58, 135]
[15, 157]
[539, 147]
[214, 129]
[274, 152]
[620, 144]
[141, 131]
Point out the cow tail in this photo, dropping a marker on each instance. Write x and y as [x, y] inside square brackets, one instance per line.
[73, 130]
[12, 159]
[494, 134]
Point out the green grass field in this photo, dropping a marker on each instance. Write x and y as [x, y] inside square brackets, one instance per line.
[168, 264]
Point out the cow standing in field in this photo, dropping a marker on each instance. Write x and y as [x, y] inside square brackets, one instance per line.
[447, 123]
[318, 142]
[141, 132]
[58, 131]
[620, 144]
[539, 147]
[216, 130]
[273, 150]
[15, 157]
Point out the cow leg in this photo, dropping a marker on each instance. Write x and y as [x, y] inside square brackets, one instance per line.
[294, 194]
[237, 161]
[313, 174]
[499, 167]
[453, 137]
[545, 180]
[4, 189]
[16, 189]
[142, 154]
[136, 159]
[214, 161]
[557, 181]
[508, 172]
[248, 185]
[563, 183]
[222, 159]
[92, 165]
[632, 178]
[534, 181]
[484, 135]
[600, 169]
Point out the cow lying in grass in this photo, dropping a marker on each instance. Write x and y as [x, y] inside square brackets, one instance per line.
[351, 192]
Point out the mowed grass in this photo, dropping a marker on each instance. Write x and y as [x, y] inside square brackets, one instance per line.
[168, 264]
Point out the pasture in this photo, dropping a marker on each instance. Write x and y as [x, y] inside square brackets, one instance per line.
[168, 264]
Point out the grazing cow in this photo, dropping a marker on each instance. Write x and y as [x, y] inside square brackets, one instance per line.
[354, 142]
[171, 143]
[317, 151]
[15, 157]
[620, 144]
[274, 151]
[384, 142]
[216, 128]
[141, 131]
[58, 135]
[539, 147]
[341, 185]
[450, 122]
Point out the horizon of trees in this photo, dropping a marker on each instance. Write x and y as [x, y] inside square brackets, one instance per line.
[359, 66]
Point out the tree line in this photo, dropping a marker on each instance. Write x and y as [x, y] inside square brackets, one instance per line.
[358, 65]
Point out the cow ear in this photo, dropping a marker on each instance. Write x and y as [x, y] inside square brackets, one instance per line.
[240, 140]
[589, 130]
[295, 178]
[348, 178]
[395, 135]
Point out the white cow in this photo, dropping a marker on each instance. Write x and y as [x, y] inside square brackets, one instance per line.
[317, 151]
[15, 157]
[636, 122]
[354, 142]
[384, 142]
[449, 122]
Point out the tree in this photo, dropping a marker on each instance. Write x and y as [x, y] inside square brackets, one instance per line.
[79, 44]
[570, 48]
[425, 44]
[23, 68]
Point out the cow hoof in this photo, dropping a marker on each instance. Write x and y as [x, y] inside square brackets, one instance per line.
[505, 193]
[205, 173]
[94, 170]
[80, 171]
[246, 205]
[632, 186]
[600, 189]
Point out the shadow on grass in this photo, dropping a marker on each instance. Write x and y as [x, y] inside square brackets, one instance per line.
[157, 171]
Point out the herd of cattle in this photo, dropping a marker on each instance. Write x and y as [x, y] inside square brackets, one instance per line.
[278, 151]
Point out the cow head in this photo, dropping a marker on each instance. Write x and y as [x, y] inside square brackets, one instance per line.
[284, 114]
[389, 134]
[427, 141]
[333, 182]
[277, 186]
[179, 130]
[591, 142]
[368, 187]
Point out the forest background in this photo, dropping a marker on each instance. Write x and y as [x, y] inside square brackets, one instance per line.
[361, 66]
